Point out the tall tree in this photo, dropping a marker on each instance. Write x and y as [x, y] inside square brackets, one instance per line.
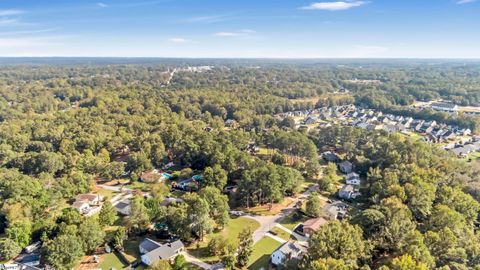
[245, 247]
[108, 214]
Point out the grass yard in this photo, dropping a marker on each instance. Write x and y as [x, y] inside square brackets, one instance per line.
[131, 247]
[264, 210]
[109, 261]
[107, 193]
[231, 232]
[282, 234]
[291, 221]
[262, 250]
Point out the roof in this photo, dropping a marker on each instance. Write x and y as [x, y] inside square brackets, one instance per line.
[314, 223]
[169, 201]
[123, 204]
[80, 204]
[348, 188]
[148, 245]
[165, 251]
[151, 176]
[291, 247]
[444, 105]
[87, 197]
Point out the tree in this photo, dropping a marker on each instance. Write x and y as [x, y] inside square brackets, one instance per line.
[245, 247]
[218, 204]
[91, 234]
[118, 238]
[228, 258]
[63, 252]
[329, 181]
[161, 265]
[214, 176]
[340, 241]
[328, 264]
[20, 232]
[8, 249]
[313, 207]
[406, 262]
[217, 245]
[108, 214]
[180, 263]
[138, 219]
[198, 214]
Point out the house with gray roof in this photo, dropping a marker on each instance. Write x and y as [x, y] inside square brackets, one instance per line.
[291, 250]
[153, 251]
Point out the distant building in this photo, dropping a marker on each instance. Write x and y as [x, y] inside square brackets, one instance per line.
[444, 107]
[85, 202]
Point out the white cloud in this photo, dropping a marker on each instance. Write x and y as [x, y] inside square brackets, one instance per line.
[205, 19]
[21, 42]
[102, 5]
[243, 32]
[8, 21]
[178, 40]
[334, 6]
[460, 2]
[226, 34]
[10, 12]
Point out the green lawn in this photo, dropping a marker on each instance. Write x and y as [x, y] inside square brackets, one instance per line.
[131, 247]
[111, 260]
[282, 234]
[261, 253]
[291, 221]
[231, 232]
[107, 193]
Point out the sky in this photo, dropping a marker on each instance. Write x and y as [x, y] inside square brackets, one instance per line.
[241, 28]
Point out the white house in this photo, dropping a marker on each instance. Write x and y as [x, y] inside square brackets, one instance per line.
[291, 250]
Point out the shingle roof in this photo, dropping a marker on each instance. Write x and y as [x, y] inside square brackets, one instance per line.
[164, 252]
[149, 245]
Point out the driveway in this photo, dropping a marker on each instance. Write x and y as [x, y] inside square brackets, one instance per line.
[269, 222]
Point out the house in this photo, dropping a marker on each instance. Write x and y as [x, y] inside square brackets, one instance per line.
[91, 199]
[169, 201]
[312, 225]
[353, 179]
[17, 266]
[444, 107]
[345, 167]
[153, 176]
[347, 192]
[291, 250]
[330, 156]
[335, 210]
[31, 259]
[153, 251]
[123, 207]
[82, 207]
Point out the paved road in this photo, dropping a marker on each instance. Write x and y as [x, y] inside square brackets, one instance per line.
[269, 222]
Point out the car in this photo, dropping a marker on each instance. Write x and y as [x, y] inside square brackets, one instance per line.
[237, 213]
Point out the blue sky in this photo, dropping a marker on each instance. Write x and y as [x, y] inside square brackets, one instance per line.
[243, 28]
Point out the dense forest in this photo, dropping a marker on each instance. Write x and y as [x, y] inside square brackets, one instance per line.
[64, 125]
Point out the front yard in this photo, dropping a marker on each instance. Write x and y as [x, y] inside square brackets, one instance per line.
[262, 250]
[231, 232]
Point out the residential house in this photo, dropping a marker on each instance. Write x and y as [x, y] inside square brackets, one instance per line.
[153, 251]
[123, 207]
[312, 225]
[348, 192]
[84, 203]
[291, 250]
[345, 167]
[170, 200]
[330, 156]
[353, 179]
[153, 176]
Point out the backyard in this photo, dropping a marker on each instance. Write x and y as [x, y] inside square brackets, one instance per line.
[262, 250]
